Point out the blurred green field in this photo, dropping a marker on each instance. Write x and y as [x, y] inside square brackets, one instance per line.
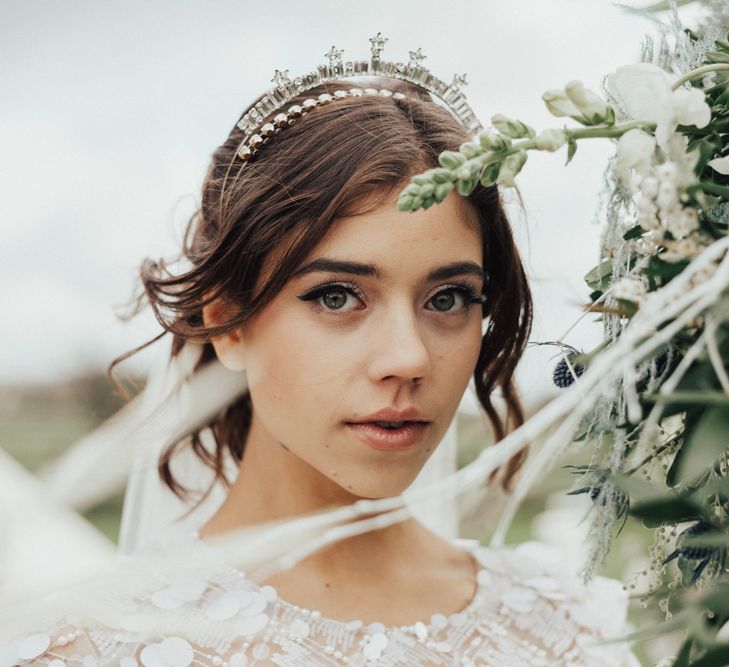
[40, 423]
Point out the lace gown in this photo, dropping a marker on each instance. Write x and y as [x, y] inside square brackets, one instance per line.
[526, 612]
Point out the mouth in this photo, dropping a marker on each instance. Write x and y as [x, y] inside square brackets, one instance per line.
[390, 436]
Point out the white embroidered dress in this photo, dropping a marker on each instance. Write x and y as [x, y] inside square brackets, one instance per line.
[526, 612]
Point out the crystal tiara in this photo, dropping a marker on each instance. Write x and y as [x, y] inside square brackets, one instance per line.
[257, 134]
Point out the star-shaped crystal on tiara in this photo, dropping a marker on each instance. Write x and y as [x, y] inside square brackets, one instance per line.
[416, 57]
[458, 81]
[281, 78]
[378, 43]
[335, 56]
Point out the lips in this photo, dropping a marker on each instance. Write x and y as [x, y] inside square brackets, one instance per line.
[410, 414]
[389, 439]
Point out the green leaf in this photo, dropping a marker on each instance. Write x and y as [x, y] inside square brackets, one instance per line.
[633, 233]
[571, 149]
[707, 149]
[704, 444]
[599, 277]
[716, 656]
[595, 294]
[682, 659]
[657, 268]
[670, 508]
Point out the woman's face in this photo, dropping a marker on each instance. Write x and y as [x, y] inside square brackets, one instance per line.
[338, 344]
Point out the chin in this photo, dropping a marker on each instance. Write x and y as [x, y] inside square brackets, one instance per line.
[378, 490]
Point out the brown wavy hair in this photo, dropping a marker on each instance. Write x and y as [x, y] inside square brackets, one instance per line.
[343, 158]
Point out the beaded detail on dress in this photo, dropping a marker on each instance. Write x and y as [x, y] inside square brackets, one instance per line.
[526, 612]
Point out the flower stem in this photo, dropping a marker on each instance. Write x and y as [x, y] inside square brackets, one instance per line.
[597, 131]
[611, 130]
[711, 188]
[700, 71]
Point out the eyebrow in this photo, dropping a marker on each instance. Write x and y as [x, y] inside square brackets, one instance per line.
[371, 271]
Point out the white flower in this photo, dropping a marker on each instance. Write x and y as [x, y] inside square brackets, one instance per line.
[667, 171]
[511, 127]
[644, 91]
[645, 245]
[550, 140]
[646, 211]
[720, 164]
[559, 104]
[649, 186]
[630, 288]
[679, 250]
[667, 197]
[635, 151]
[690, 107]
[595, 109]
[683, 222]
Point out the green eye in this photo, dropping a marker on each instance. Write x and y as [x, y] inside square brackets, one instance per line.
[335, 299]
[444, 301]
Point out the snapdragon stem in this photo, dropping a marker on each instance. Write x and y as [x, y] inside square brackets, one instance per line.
[597, 131]
[699, 71]
[711, 188]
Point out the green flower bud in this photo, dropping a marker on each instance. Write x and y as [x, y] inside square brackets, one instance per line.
[490, 174]
[404, 202]
[593, 108]
[465, 187]
[442, 190]
[558, 104]
[427, 203]
[511, 127]
[427, 190]
[510, 167]
[451, 159]
[471, 149]
[417, 203]
[463, 173]
[412, 189]
[420, 179]
[440, 175]
[493, 141]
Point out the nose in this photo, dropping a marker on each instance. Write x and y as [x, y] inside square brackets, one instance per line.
[398, 348]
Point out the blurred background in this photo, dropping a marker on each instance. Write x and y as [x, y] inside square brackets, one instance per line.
[110, 112]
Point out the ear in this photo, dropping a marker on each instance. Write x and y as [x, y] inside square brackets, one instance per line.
[229, 347]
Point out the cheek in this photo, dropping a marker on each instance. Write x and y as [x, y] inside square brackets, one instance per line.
[288, 362]
[458, 354]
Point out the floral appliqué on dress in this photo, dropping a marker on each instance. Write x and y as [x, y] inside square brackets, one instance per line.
[526, 612]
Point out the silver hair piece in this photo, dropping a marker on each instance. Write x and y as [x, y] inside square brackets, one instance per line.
[256, 134]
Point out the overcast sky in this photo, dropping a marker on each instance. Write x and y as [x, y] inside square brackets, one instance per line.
[110, 110]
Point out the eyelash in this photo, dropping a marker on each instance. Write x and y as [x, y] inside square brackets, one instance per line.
[470, 295]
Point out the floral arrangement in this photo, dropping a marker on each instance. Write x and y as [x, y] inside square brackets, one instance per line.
[660, 435]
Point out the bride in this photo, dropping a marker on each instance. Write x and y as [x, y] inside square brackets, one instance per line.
[357, 327]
